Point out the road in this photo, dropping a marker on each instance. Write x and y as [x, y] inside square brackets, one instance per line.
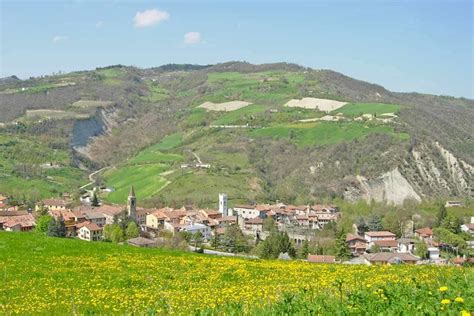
[91, 177]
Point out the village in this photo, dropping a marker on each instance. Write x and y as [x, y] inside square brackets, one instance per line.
[202, 229]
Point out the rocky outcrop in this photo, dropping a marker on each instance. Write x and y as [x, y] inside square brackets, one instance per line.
[391, 187]
[86, 130]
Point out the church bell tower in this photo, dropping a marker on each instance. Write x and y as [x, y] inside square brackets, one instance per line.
[132, 204]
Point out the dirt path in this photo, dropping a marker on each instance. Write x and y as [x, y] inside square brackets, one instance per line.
[91, 176]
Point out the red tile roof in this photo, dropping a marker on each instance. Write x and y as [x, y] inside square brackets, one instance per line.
[351, 237]
[54, 202]
[380, 234]
[23, 220]
[386, 243]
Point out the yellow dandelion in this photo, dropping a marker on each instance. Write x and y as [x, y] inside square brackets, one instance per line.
[459, 299]
[445, 301]
[465, 313]
[443, 289]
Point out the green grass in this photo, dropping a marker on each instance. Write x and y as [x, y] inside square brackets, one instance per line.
[21, 152]
[357, 109]
[111, 76]
[60, 276]
[143, 171]
[145, 178]
[323, 133]
[156, 93]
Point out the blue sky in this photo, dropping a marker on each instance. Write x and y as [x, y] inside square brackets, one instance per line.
[424, 46]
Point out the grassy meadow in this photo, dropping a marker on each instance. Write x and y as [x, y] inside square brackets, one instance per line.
[64, 276]
[358, 109]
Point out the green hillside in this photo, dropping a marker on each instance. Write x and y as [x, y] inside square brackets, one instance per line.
[66, 276]
[145, 123]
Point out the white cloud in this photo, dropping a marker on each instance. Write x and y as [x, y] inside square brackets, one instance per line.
[150, 17]
[99, 24]
[192, 38]
[59, 38]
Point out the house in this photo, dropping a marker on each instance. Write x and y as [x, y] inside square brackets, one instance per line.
[406, 245]
[141, 242]
[3, 201]
[453, 204]
[373, 236]
[96, 217]
[155, 220]
[424, 233]
[196, 228]
[21, 222]
[321, 259]
[51, 205]
[386, 245]
[90, 232]
[468, 228]
[357, 244]
[253, 226]
[250, 211]
[392, 258]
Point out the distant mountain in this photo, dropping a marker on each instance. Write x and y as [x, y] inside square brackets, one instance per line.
[341, 137]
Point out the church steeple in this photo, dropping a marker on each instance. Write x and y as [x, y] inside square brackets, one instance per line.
[132, 204]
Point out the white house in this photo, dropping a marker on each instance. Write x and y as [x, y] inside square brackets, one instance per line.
[373, 237]
[433, 253]
[250, 211]
[195, 228]
[90, 232]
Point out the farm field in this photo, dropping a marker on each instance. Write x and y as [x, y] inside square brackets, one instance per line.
[357, 109]
[64, 276]
[323, 133]
[144, 171]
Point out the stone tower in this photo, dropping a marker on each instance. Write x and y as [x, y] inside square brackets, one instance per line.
[223, 209]
[132, 204]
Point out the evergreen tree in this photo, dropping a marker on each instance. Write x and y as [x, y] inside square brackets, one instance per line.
[215, 240]
[451, 223]
[53, 229]
[132, 230]
[374, 223]
[361, 226]
[62, 229]
[342, 250]
[442, 213]
[304, 250]
[95, 199]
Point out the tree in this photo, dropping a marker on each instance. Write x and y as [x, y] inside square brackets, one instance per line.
[132, 230]
[269, 224]
[451, 223]
[197, 238]
[421, 250]
[442, 213]
[215, 241]
[114, 233]
[42, 224]
[95, 199]
[361, 226]
[342, 250]
[374, 223]
[234, 240]
[304, 250]
[57, 228]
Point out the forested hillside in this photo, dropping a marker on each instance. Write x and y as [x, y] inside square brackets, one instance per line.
[183, 133]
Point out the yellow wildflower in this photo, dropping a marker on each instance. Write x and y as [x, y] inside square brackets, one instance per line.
[445, 301]
[443, 289]
[465, 313]
[459, 299]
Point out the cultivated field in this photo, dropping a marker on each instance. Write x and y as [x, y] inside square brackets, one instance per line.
[323, 105]
[43, 275]
[225, 106]
[91, 104]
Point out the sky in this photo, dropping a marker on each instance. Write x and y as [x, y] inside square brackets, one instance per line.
[423, 46]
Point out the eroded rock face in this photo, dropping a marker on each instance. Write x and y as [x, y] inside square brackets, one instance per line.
[86, 130]
[431, 170]
[391, 187]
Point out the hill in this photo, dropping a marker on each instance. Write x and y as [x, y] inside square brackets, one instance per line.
[66, 276]
[238, 122]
